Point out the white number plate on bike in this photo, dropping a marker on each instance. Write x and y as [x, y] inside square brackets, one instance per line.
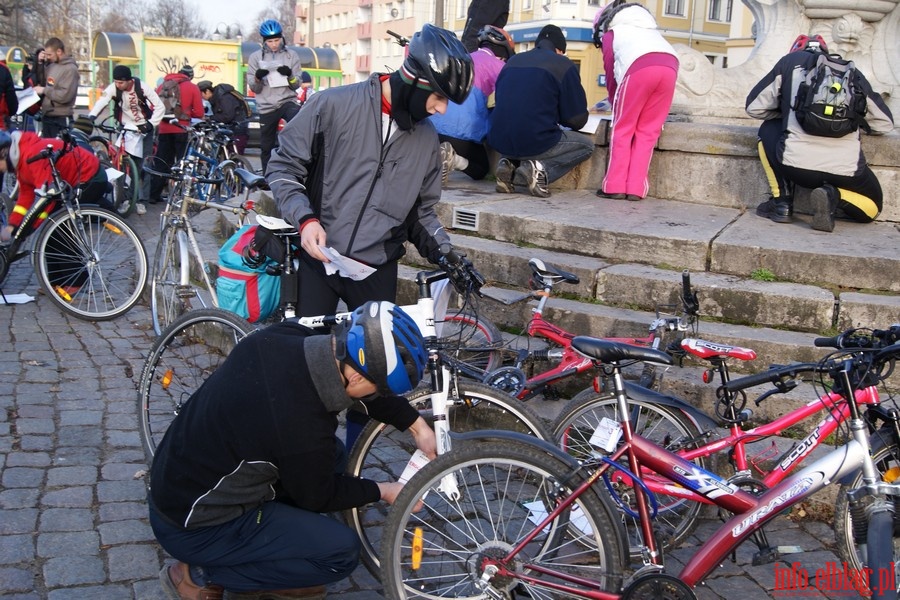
[606, 435]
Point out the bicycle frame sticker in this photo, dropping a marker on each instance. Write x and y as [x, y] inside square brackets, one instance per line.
[799, 488]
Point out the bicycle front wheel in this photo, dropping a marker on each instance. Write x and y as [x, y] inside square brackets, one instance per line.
[92, 265]
[175, 269]
[180, 360]
[676, 518]
[850, 527]
[127, 187]
[473, 340]
[504, 491]
[381, 452]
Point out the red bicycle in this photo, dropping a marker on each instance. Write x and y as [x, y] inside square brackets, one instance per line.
[506, 516]
[111, 151]
[565, 361]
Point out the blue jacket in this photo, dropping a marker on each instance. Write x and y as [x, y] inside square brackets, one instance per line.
[537, 91]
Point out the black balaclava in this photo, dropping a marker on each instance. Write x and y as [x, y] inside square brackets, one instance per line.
[409, 96]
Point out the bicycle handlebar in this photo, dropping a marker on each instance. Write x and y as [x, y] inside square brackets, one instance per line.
[176, 175]
[401, 40]
[463, 275]
[773, 375]
[861, 338]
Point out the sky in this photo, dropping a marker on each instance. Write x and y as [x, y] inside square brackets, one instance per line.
[229, 12]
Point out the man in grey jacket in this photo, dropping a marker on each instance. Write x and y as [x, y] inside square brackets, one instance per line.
[359, 169]
[59, 94]
[273, 74]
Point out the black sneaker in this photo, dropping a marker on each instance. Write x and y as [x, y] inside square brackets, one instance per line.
[824, 202]
[504, 174]
[780, 211]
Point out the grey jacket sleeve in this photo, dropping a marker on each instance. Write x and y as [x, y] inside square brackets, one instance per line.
[289, 164]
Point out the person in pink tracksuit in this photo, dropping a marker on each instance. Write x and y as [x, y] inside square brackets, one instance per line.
[641, 68]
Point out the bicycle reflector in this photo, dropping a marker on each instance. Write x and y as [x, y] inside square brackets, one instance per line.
[417, 549]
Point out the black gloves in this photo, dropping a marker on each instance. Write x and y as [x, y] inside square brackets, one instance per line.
[92, 118]
[260, 73]
[145, 128]
[284, 70]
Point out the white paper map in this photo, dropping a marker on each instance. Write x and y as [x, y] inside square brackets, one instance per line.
[347, 267]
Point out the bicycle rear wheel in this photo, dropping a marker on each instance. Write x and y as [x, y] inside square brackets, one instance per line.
[92, 265]
[127, 187]
[171, 293]
[676, 518]
[505, 490]
[381, 452]
[180, 360]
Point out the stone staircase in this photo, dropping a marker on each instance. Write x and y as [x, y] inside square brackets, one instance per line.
[770, 287]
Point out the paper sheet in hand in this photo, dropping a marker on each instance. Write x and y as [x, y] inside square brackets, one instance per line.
[27, 98]
[347, 267]
[274, 78]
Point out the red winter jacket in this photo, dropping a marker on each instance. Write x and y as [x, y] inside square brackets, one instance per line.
[76, 167]
[191, 102]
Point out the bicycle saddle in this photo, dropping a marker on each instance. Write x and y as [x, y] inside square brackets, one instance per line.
[251, 180]
[610, 352]
[543, 272]
[705, 349]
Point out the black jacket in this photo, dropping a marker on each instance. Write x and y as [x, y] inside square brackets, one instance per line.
[258, 429]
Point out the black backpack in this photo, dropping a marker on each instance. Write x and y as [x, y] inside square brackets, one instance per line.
[228, 105]
[146, 107]
[830, 102]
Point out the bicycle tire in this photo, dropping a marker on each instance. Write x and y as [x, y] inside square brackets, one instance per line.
[676, 518]
[472, 339]
[504, 489]
[169, 299]
[180, 360]
[380, 451]
[127, 187]
[100, 146]
[97, 276]
[886, 454]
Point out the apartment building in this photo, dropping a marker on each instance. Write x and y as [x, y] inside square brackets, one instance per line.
[359, 30]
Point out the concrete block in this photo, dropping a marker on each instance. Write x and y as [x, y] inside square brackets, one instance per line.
[770, 304]
[867, 310]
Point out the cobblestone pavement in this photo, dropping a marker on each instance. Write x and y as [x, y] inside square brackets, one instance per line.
[72, 511]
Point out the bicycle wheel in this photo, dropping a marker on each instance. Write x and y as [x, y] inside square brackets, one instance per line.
[100, 146]
[127, 187]
[676, 518]
[381, 452]
[505, 490]
[850, 534]
[180, 360]
[169, 296]
[93, 266]
[473, 340]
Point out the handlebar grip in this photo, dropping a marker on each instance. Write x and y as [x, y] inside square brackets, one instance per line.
[828, 342]
[449, 254]
[45, 153]
[688, 296]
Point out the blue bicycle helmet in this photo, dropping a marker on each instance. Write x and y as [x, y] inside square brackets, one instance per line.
[270, 28]
[383, 343]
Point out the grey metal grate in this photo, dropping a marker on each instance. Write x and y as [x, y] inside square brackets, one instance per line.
[465, 219]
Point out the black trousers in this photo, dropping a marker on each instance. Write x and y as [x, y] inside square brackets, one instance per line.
[170, 149]
[861, 194]
[268, 129]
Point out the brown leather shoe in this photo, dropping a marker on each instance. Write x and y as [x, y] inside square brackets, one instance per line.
[176, 582]
[309, 593]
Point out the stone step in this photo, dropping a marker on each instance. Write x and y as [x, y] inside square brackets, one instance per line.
[680, 235]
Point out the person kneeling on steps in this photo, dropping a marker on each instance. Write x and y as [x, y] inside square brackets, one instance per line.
[245, 471]
[834, 168]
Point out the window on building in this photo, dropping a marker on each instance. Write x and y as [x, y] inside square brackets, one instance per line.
[720, 10]
[460, 9]
[527, 5]
[675, 8]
